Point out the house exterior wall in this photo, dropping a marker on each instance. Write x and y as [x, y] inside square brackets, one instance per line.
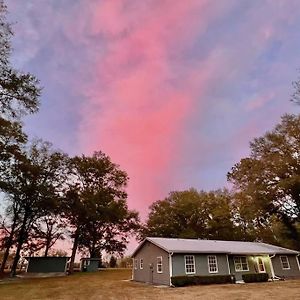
[47, 264]
[201, 264]
[252, 265]
[294, 267]
[149, 274]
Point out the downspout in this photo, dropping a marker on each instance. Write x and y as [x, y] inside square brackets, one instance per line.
[171, 267]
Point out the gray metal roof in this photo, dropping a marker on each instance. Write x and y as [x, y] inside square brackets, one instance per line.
[214, 246]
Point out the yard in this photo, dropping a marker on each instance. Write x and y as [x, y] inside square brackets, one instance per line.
[114, 284]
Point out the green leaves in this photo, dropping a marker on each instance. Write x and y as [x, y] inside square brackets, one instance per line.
[270, 176]
[95, 204]
[192, 214]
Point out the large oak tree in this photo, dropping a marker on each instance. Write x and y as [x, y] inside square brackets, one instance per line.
[95, 206]
[270, 176]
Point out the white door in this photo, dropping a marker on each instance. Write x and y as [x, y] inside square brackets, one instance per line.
[261, 265]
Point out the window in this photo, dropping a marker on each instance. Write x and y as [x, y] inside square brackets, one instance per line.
[212, 264]
[159, 265]
[135, 264]
[261, 265]
[240, 263]
[285, 262]
[189, 264]
[141, 264]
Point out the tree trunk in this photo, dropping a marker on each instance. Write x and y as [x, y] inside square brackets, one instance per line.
[47, 248]
[74, 250]
[8, 245]
[20, 242]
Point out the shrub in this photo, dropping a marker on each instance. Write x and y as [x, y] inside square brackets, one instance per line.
[197, 280]
[256, 277]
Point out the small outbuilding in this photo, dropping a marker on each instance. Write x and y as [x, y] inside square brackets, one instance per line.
[90, 264]
[157, 260]
[49, 264]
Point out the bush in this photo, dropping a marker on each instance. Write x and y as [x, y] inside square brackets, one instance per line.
[197, 280]
[256, 277]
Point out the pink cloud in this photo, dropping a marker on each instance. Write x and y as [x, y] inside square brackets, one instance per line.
[147, 68]
[138, 104]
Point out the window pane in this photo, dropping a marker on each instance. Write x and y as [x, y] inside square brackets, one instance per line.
[159, 265]
[284, 262]
[189, 264]
[212, 264]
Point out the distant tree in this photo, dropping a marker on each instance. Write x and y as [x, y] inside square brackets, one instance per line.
[95, 205]
[47, 230]
[58, 252]
[270, 176]
[112, 262]
[125, 262]
[34, 185]
[192, 214]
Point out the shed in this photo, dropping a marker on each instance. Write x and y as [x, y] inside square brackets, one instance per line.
[90, 264]
[49, 264]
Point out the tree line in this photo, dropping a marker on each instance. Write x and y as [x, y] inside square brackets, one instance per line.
[46, 195]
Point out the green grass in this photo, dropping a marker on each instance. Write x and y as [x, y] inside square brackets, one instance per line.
[115, 284]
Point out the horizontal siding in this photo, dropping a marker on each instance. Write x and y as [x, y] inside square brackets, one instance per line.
[292, 272]
[47, 264]
[201, 264]
[149, 254]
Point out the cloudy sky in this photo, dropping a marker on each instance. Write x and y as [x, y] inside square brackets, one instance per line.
[172, 90]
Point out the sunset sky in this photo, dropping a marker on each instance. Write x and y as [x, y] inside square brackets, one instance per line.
[172, 90]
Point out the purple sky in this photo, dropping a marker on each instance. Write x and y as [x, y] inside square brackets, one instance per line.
[172, 90]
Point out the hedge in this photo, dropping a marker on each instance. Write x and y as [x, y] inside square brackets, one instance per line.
[256, 277]
[197, 280]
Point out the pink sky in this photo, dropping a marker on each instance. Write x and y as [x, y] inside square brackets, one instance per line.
[172, 90]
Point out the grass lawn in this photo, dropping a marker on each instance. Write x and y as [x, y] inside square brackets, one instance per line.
[112, 284]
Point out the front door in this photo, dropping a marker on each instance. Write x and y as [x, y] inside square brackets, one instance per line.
[261, 265]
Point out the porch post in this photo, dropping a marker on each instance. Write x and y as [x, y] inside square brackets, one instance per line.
[132, 276]
[170, 267]
[229, 272]
[271, 265]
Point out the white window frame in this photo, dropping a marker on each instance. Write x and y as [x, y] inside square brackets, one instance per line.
[287, 261]
[185, 264]
[135, 264]
[263, 264]
[240, 263]
[159, 263]
[141, 264]
[214, 265]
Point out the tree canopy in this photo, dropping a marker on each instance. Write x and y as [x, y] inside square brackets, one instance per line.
[270, 176]
[192, 214]
[19, 91]
[95, 205]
